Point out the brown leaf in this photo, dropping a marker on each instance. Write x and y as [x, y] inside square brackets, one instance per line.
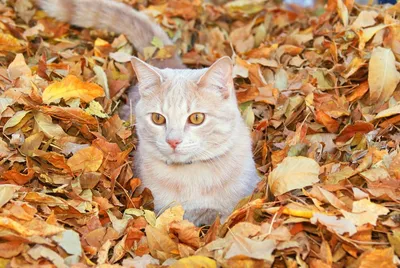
[350, 130]
[161, 245]
[186, 232]
[73, 114]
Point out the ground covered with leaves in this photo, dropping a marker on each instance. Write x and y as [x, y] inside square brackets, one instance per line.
[319, 89]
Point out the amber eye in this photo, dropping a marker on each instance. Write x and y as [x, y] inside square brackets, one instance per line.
[197, 118]
[158, 119]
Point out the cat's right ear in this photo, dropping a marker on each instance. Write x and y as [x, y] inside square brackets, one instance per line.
[148, 76]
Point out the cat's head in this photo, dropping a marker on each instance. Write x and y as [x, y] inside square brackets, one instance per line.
[186, 115]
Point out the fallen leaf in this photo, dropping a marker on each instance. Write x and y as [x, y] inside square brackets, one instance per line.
[337, 225]
[71, 87]
[293, 173]
[46, 125]
[6, 193]
[69, 240]
[161, 245]
[18, 67]
[350, 130]
[170, 215]
[86, 160]
[40, 251]
[10, 43]
[195, 261]
[376, 258]
[11, 249]
[261, 250]
[16, 122]
[383, 76]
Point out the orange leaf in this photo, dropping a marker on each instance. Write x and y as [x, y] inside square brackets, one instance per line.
[19, 178]
[358, 92]
[350, 130]
[11, 249]
[87, 160]
[10, 43]
[331, 124]
[72, 87]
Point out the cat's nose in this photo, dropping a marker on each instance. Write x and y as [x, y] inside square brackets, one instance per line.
[173, 143]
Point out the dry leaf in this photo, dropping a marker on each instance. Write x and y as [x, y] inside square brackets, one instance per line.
[293, 173]
[18, 67]
[383, 77]
[86, 160]
[337, 225]
[71, 87]
[195, 261]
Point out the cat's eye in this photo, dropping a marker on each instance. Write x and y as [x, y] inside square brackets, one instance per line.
[158, 119]
[197, 118]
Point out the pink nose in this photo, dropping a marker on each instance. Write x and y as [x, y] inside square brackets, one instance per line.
[173, 143]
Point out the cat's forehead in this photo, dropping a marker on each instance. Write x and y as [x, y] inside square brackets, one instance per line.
[178, 94]
[180, 88]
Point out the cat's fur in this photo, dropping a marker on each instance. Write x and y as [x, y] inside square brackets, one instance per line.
[212, 168]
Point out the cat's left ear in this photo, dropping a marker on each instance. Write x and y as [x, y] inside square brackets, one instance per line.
[219, 77]
[148, 76]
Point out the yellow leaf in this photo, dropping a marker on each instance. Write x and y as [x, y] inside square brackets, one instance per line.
[293, 173]
[383, 76]
[160, 244]
[16, 122]
[10, 43]
[368, 33]
[388, 112]
[293, 209]
[343, 12]
[45, 124]
[87, 160]
[71, 87]
[195, 261]
[96, 109]
[172, 214]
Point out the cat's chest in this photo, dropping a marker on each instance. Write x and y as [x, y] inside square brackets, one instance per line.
[188, 178]
[194, 186]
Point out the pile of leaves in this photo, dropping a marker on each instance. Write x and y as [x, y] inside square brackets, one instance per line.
[319, 89]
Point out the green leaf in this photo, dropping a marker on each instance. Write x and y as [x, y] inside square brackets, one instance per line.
[96, 109]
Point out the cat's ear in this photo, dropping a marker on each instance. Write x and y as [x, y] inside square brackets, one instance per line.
[219, 77]
[148, 76]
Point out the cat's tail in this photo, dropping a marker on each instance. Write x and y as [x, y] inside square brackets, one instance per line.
[112, 16]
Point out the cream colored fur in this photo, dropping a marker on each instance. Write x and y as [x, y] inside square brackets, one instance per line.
[212, 168]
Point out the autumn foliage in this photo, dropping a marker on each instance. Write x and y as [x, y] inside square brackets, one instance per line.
[319, 89]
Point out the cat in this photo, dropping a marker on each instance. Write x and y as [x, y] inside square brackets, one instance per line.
[194, 147]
